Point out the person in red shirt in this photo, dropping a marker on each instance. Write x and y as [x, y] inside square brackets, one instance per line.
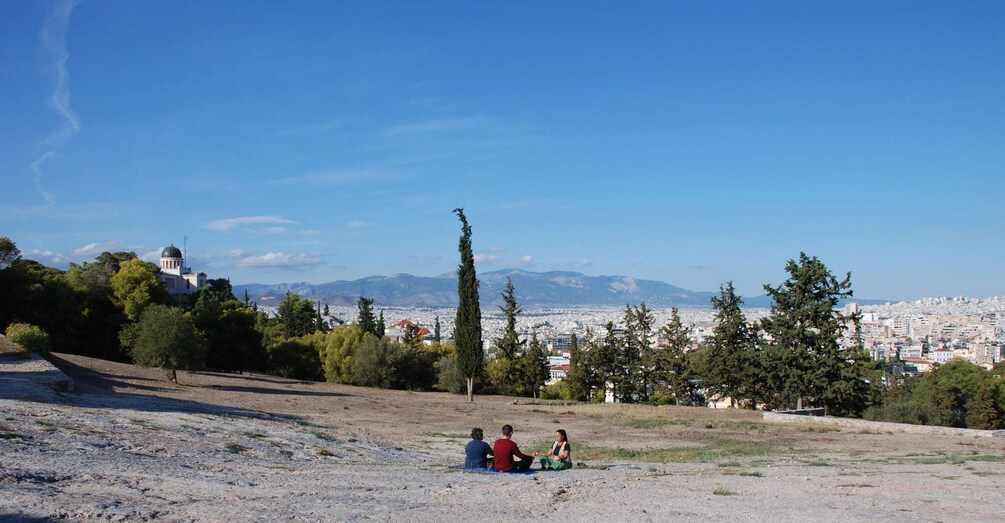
[505, 449]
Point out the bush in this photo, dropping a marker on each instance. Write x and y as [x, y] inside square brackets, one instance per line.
[295, 359]
[557, 391]
[165, 338]
[660, 398]
[449, 376]
[30, 337]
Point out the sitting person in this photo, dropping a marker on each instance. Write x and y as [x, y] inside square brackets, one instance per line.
[560, 455]
[477, 451]
[505, 449]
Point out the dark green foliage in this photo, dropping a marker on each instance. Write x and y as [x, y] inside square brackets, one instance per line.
[9, 253]
[675, 373]
[803, 362]
[731, 360]
[955, 394]
[295, 359]
[381, 326]
[366, 318]
[165, 338]
[506, 380]
[379, 363]
[604, 359]
[639, 337]
[296, 315]
[436, 331]
[982, 411]
[468, 323]
[577, 380]
[449, 376]
[233, 342]
[532, 368]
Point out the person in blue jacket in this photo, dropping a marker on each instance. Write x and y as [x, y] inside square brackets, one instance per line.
[477, 451]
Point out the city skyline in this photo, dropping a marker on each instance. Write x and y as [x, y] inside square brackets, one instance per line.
[685, 143]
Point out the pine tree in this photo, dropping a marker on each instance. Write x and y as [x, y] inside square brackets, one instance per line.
[365, 317]
[804, 364]
[508, 344]
[673, 370]
[983, 412]
[730, 369]
[577, 379]
[468, 323]
[639, 322]
[532, 367]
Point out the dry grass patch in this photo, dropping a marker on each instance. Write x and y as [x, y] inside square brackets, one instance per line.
[11, 348]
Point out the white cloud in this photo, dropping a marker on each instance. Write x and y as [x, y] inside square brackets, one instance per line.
[497, 249]
[524, 261]
[358, 224]
[228, 224]
[153, 256]
[585, 263]
[46, 257]
[96, 248]
[486, 258]
[273, 230]
[625, 285]
[53, 39]
[280, 260]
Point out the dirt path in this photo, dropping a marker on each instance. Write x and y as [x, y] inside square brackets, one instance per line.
[127, 445]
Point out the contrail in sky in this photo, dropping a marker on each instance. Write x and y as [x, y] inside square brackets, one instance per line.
[53, 41]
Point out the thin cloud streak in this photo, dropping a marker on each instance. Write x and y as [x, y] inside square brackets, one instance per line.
[276, 260]
[228, 224]
[96, 248]
[340, 177]
[432, 126]
[52, 37]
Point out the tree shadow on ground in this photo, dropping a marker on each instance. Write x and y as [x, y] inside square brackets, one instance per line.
[265, 390]
[21, 518]
[252, 377]
[97, 389]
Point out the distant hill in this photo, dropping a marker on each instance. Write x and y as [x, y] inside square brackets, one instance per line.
[548, 288]
[555, 288]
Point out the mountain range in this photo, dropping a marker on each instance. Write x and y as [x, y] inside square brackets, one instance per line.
[556, 288]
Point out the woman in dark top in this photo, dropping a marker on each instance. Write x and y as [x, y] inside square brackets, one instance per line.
[560, 455]
[477, 451]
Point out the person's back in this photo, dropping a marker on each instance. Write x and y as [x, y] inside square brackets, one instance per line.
[477, 451]
[505, 449]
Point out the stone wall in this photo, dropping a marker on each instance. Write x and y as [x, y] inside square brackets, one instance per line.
[879, 426]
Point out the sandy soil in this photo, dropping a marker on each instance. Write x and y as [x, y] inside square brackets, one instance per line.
[127, 445]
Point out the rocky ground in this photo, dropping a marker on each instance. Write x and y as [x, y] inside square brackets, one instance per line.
[126, 445]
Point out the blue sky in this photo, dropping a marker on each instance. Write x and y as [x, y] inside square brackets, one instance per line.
[689, 142]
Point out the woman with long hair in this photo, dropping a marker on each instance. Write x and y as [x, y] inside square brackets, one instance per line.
[560, 455]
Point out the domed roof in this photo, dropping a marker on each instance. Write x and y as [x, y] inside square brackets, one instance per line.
[171, 252]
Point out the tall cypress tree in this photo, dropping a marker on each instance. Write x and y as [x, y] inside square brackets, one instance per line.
[468, 323]
[436, 330]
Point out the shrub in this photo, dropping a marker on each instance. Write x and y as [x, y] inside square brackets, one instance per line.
[30, 337]
[165, 338]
